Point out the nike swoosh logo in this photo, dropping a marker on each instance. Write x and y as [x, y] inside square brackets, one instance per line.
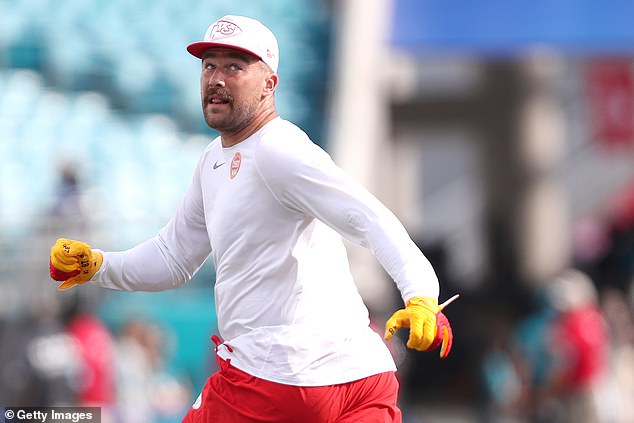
[216, 165]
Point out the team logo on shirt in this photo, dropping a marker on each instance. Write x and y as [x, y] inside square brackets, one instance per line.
[235, 165]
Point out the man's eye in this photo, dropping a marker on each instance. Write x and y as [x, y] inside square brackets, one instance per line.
[208, 66]
[233, 67]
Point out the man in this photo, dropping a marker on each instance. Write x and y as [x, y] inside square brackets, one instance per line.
[270, 208]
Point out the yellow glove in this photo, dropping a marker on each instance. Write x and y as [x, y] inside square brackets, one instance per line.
[73, 262]
[428, 326]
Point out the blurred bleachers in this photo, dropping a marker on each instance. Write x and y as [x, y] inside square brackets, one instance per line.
[133, 51]
[109, 87]
[131, 167]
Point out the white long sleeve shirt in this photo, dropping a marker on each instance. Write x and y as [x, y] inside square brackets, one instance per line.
[272, 211]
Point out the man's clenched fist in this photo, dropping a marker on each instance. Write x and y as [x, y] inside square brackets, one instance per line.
[428, 326]
[73, 262]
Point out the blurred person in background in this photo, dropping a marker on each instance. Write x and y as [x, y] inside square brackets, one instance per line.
[40, 364]
[271, 208]
[619, 314]
[578, 352]
[67, 203]
[501, 376]
[530, 346]
[94, 381]
[146, 392]
[67, 214]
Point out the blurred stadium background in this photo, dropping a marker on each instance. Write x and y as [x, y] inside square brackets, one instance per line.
[502, 134]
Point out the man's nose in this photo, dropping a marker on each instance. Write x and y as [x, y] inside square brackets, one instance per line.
[217, 79]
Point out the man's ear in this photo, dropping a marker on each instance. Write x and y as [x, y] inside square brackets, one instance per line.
[270, 84]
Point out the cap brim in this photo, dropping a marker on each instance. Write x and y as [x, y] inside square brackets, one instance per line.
[199, 48]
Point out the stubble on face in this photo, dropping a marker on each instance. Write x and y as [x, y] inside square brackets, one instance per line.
[231, 107]
[237, 114]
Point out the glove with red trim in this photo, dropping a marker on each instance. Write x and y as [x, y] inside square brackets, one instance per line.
[73, 262]
[428, 326]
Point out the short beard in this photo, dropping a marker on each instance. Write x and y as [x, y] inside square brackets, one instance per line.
[236, 120]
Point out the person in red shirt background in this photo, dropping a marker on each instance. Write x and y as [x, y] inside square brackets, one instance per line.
[579, 349]
[95, 348]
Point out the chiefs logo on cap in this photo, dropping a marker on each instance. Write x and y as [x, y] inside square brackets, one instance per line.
[235, 165]
[223, 29]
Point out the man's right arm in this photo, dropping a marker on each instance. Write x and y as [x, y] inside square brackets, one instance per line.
[165, 261]
[149, 266]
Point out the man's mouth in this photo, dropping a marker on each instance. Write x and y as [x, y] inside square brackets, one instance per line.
[218, 101]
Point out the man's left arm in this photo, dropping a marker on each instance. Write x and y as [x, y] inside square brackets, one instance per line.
[307, 180]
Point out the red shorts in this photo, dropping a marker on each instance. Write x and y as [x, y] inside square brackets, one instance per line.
[233, 396]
